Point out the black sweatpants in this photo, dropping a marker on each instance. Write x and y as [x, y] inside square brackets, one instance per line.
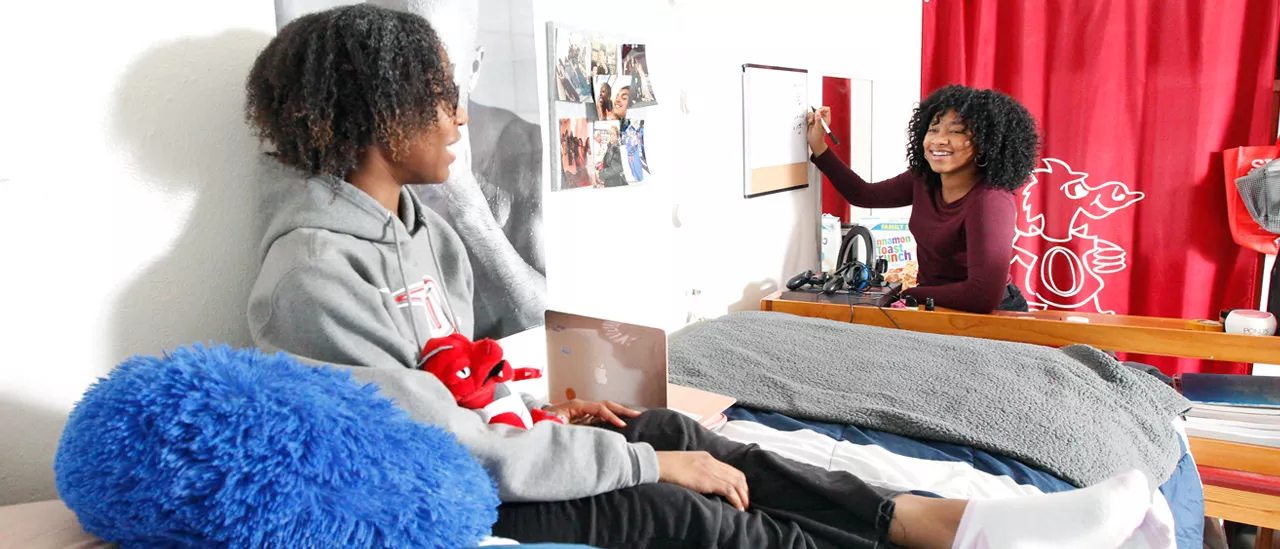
[792, 504]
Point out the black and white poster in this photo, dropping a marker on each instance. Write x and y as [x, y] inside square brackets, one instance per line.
[493, 198]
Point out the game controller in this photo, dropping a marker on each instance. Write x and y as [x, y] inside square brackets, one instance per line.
[833, 285]
[808, 278]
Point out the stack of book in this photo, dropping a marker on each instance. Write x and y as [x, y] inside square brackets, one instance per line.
[1234, 408]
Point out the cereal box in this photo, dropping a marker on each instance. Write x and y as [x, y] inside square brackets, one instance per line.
[893, 240]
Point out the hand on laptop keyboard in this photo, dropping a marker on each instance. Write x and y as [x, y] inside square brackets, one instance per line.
[583, 412]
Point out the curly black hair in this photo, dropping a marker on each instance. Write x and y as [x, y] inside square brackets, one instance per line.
[333, 83]
[1003, 131]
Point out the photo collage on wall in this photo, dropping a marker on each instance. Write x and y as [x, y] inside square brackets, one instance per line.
[605, 145]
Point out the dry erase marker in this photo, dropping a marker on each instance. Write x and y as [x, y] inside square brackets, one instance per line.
[825, 128]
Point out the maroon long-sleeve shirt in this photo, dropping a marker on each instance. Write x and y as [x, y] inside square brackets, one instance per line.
[964, 247]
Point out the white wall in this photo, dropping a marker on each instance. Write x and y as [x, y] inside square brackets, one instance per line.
[126, 204]
[618, 252]
[127, 208]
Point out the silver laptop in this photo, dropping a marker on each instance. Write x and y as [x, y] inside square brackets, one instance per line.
[596, 359]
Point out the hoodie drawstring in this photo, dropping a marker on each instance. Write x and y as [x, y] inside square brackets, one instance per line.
[444, 290]
[404, 278]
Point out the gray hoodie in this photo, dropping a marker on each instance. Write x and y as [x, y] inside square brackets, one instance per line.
[332, 289]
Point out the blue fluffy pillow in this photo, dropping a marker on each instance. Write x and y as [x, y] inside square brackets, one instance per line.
[214, 447]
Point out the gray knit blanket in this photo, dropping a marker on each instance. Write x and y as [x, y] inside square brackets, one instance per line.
[1074, 412]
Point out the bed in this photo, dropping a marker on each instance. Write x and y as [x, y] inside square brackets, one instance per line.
[942, 415]
[920, 465]
[953, 470]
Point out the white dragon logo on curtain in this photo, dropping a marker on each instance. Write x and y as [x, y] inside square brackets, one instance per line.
[1060, 277]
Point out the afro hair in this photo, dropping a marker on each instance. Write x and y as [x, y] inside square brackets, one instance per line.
[1003, 130]
[333, 83]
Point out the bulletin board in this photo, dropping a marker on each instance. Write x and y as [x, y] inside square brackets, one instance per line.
[775, 153]
[601, 95]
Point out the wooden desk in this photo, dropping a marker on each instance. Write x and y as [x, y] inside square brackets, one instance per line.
[1236, 505]
[1133, 334]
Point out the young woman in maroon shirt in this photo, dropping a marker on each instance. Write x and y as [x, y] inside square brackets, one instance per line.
[968, 150]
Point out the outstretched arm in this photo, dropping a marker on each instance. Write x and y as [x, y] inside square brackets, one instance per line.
[891, 193]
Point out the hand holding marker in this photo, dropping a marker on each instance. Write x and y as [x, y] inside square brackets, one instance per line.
[819, 130]
[825, 127]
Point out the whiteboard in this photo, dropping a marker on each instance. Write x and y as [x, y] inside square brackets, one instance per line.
[775, 154]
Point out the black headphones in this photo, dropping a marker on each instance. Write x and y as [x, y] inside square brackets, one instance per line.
[847, 252]
[852, 274]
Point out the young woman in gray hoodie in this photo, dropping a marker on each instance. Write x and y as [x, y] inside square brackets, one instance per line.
[357, 273]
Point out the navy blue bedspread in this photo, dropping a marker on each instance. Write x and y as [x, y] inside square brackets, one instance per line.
[1183, 490]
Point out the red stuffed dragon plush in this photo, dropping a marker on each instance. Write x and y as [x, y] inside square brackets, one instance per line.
[474, 371]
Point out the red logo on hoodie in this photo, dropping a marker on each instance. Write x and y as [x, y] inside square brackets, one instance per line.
[428, 296]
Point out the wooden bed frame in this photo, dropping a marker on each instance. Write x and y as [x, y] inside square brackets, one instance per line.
[1146, 335]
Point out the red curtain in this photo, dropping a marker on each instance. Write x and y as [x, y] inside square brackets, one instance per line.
[835, 94]
[1136, 99]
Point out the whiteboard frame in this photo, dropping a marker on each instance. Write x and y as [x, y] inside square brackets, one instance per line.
[746, 132]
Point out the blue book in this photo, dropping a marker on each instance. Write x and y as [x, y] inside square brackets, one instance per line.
[1232, 390]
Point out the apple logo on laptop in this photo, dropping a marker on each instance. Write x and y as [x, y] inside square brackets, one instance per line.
[602, 375]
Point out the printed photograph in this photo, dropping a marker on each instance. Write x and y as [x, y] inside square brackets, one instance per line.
[604, 57]
[606, 147]
[636, 66]
[573, 72]
[577, 168]
[633, 148]
[613, 97]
